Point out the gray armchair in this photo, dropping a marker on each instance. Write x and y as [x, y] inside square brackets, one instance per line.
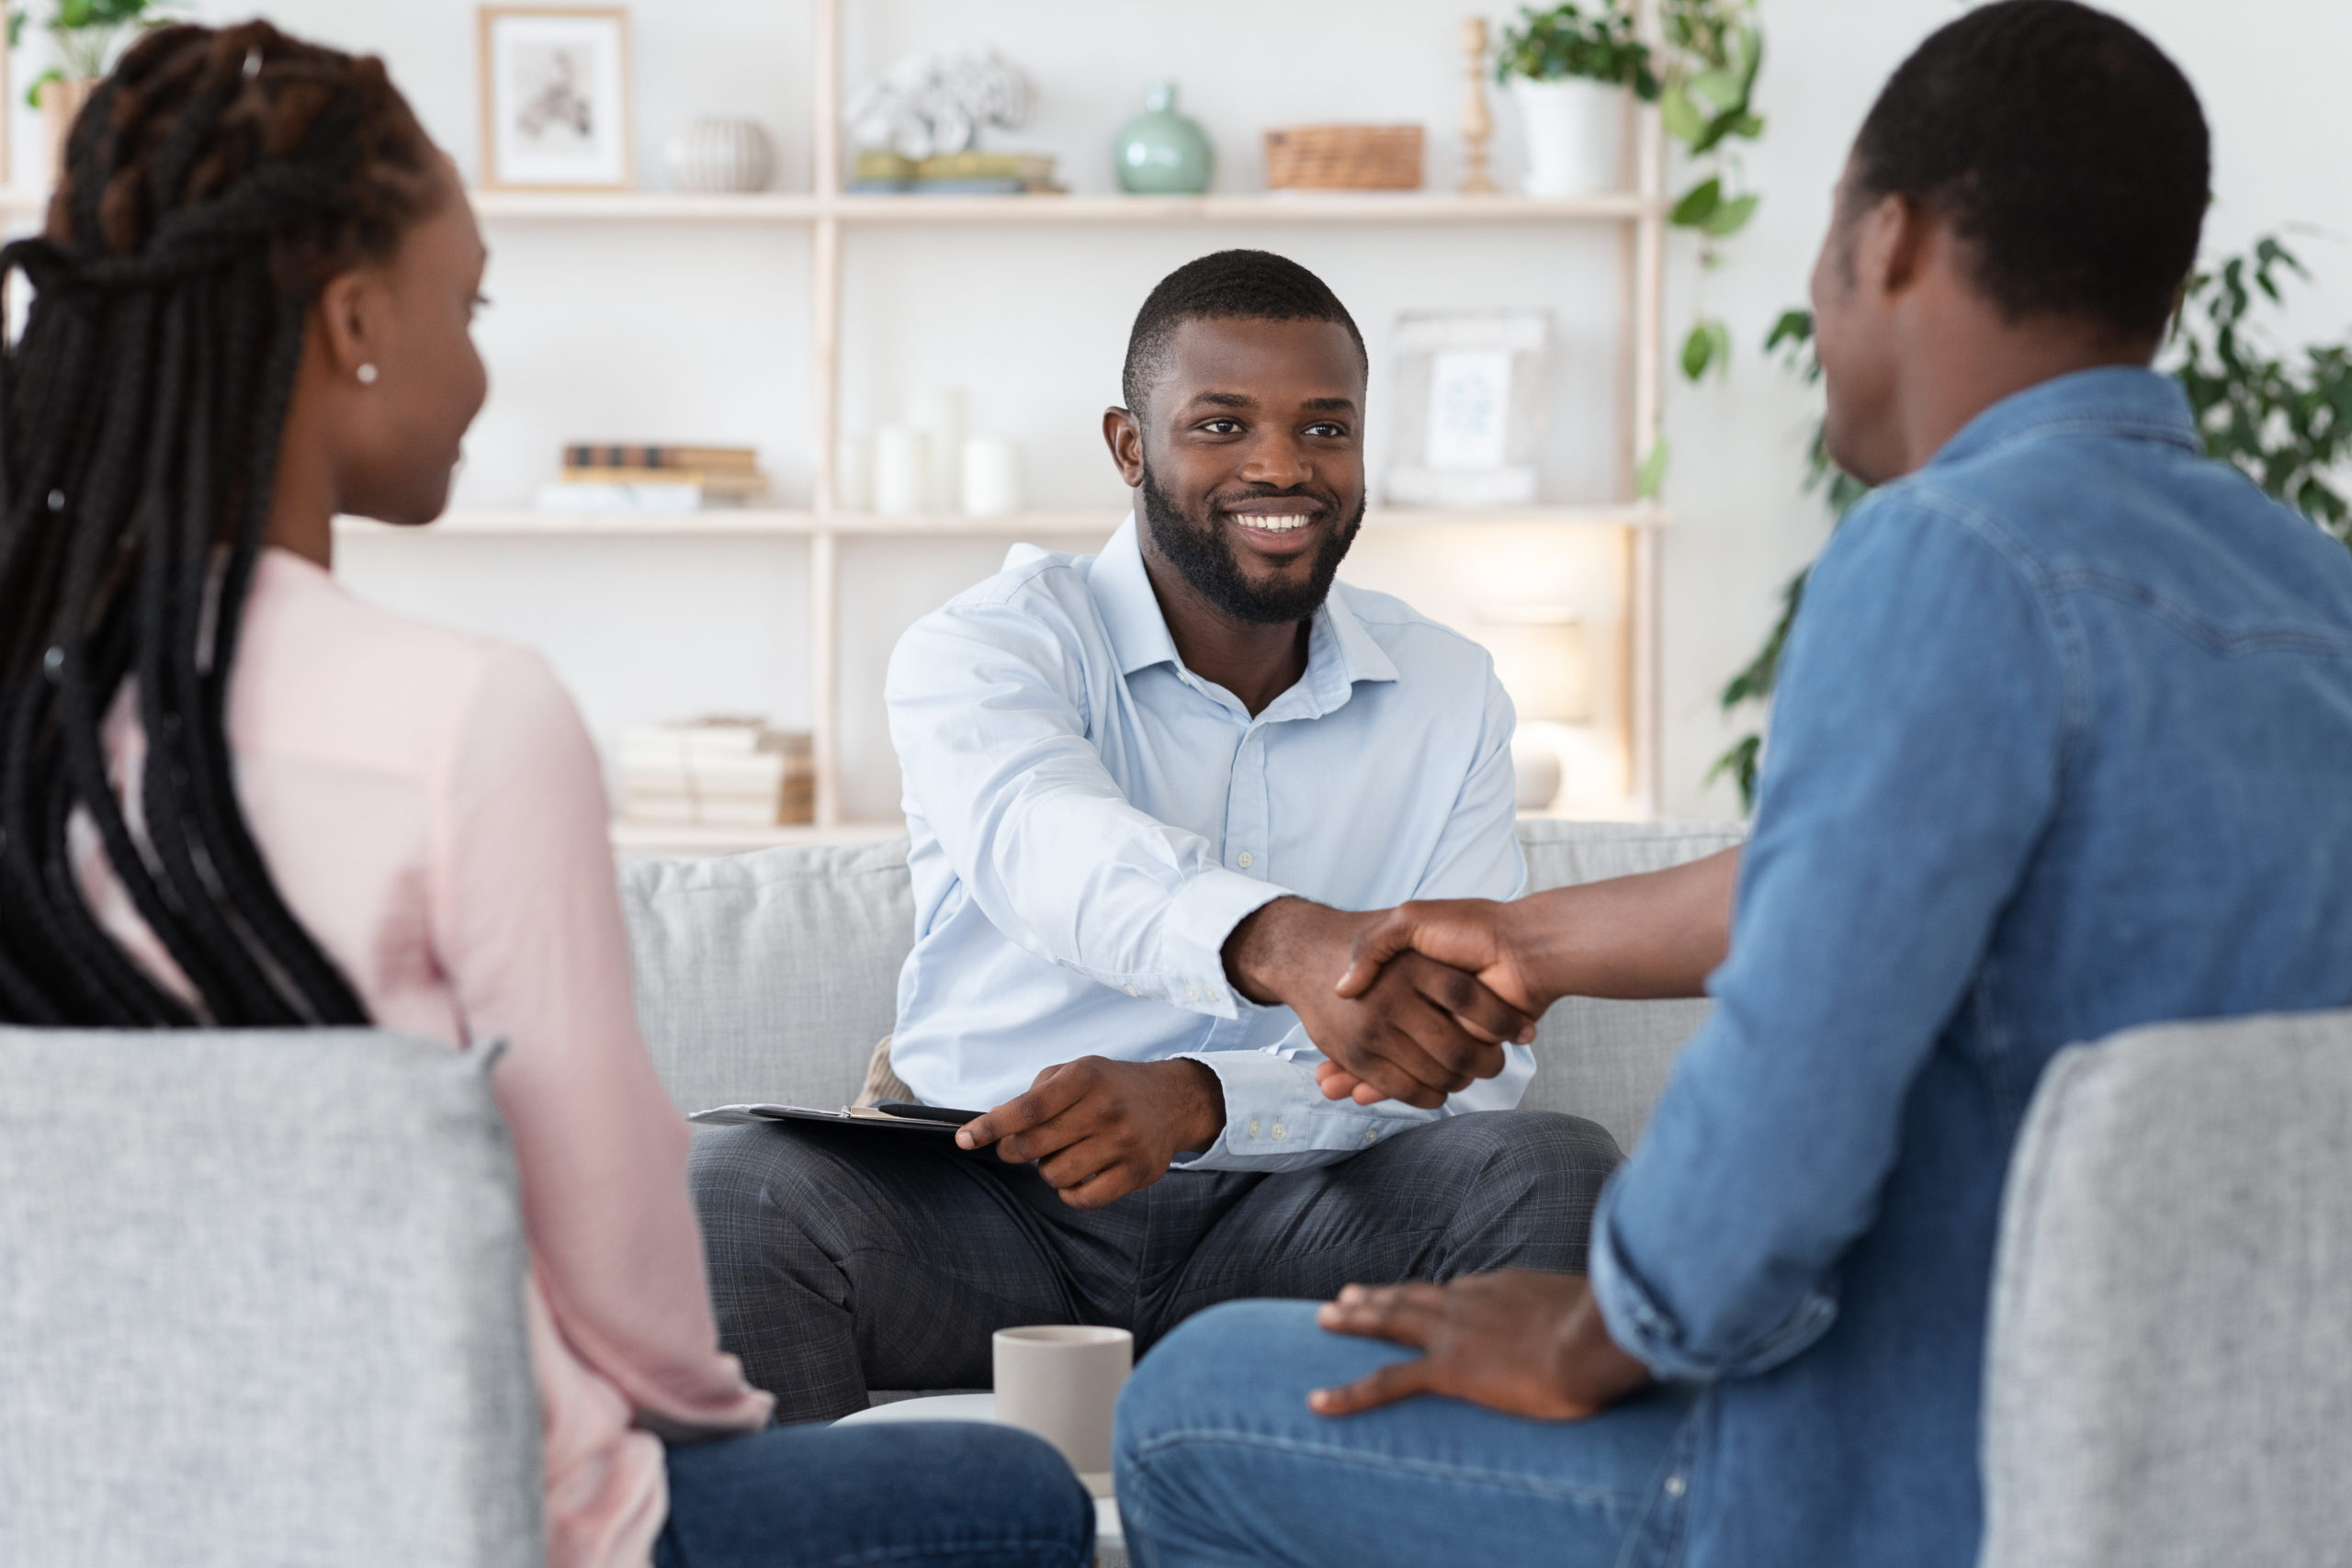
[2169, 1378]
[261, 1305]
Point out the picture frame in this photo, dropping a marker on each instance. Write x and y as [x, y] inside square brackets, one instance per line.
[1469, 401]
[555, 99]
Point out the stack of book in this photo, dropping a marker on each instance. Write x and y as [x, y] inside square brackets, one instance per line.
[956, 173]
[625, 477]
[717, 773]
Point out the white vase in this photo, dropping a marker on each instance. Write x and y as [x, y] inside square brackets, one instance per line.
[1575, 135]
[721, 154]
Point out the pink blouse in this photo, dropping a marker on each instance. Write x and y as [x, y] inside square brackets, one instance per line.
[432, 811]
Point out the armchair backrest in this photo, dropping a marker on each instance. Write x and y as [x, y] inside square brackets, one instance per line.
[261, 1303]
[2169, 1373]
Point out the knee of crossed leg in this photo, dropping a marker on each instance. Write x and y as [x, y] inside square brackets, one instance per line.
[1522, 1187]
[734, 1175]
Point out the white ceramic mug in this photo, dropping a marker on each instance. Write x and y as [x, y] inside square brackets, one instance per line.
[1062, 1382]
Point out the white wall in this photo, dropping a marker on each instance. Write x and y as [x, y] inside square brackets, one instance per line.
[702, 333]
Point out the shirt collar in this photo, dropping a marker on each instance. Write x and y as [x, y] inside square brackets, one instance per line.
[2115, 399]
[1339, 652]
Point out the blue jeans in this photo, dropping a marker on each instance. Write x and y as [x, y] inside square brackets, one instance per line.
[1220, 1462]
[953, 1495]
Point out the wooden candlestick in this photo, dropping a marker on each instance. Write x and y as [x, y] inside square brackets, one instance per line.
[1478, 121]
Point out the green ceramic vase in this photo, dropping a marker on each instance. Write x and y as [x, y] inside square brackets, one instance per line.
[1162, 152]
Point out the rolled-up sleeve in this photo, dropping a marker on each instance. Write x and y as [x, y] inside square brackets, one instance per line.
[1276, 1117]
[987, 711]
[1916, 754]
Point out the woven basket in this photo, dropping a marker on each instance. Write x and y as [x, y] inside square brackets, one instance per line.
[1344, 157]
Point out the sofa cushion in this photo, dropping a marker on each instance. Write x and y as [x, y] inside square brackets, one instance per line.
[770, 975]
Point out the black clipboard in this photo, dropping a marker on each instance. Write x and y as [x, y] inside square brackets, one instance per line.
[889, 1116]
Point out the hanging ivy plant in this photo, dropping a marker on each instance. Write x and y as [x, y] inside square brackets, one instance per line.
[1713, 50]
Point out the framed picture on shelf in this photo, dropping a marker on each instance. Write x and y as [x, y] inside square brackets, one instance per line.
[555, 111]
[1469, 403]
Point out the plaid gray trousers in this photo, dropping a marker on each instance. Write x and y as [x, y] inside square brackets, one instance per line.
[841, 1261]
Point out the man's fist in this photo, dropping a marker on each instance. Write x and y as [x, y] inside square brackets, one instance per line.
[1099, 1129]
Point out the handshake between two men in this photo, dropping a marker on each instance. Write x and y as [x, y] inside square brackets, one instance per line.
[1411, 1004]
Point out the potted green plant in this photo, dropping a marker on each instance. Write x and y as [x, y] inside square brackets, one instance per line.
[84, 34]
[1570, 69]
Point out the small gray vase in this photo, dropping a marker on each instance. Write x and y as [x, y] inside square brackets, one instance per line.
[1162, 153]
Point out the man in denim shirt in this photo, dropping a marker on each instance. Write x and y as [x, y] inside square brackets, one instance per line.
[2060, 748]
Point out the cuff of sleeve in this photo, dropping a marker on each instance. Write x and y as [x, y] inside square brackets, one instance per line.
[1275, 1117]
[1200, 918]
[1647, 1329]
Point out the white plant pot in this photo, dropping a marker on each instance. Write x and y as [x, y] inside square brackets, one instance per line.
[1575, 135]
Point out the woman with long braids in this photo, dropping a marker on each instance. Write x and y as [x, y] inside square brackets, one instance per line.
[233, 796]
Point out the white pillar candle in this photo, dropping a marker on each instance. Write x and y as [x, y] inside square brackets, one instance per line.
[991, 477]
[901, 471]
[853, 474]
[938, 412]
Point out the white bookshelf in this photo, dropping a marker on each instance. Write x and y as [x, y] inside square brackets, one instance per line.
[1639, 216]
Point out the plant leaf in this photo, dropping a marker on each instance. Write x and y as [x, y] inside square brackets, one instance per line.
[1698, 204]
[1719, 89]
[1681, 116]
[1731, 217]
[1652, 477]
[1698, 352]
[1795, 326]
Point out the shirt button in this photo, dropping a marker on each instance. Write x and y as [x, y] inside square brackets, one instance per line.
[1192, 993]
[1253, 1126]
[1242, 860]
[1371, 1137]
[1132, 992]
[1280, 1131]
[1674, 1484]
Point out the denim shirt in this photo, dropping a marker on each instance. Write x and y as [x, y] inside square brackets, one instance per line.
[2064, 745]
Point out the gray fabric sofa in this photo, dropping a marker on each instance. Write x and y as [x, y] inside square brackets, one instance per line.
[261, 1305]
[770, 975]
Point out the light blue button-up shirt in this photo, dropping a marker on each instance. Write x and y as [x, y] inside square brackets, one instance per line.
[1090, 820]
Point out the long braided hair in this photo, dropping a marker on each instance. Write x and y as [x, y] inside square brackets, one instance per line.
[216, 181]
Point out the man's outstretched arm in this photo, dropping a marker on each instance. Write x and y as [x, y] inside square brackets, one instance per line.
[1657, 934]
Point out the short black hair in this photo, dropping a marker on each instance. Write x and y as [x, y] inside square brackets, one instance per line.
[2063, 145]
[1229, 285]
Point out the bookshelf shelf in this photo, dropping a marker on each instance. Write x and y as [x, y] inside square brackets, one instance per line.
[1275, 207]
[766, 524]
[804, 207]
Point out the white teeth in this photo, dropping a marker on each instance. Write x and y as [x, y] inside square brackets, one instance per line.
[1276, 525]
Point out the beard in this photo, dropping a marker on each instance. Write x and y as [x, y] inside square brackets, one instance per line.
[1205, 557]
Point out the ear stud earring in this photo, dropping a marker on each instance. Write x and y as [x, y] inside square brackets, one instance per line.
[366, 375]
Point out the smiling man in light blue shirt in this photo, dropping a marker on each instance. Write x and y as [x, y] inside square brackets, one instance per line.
[1144, 790]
